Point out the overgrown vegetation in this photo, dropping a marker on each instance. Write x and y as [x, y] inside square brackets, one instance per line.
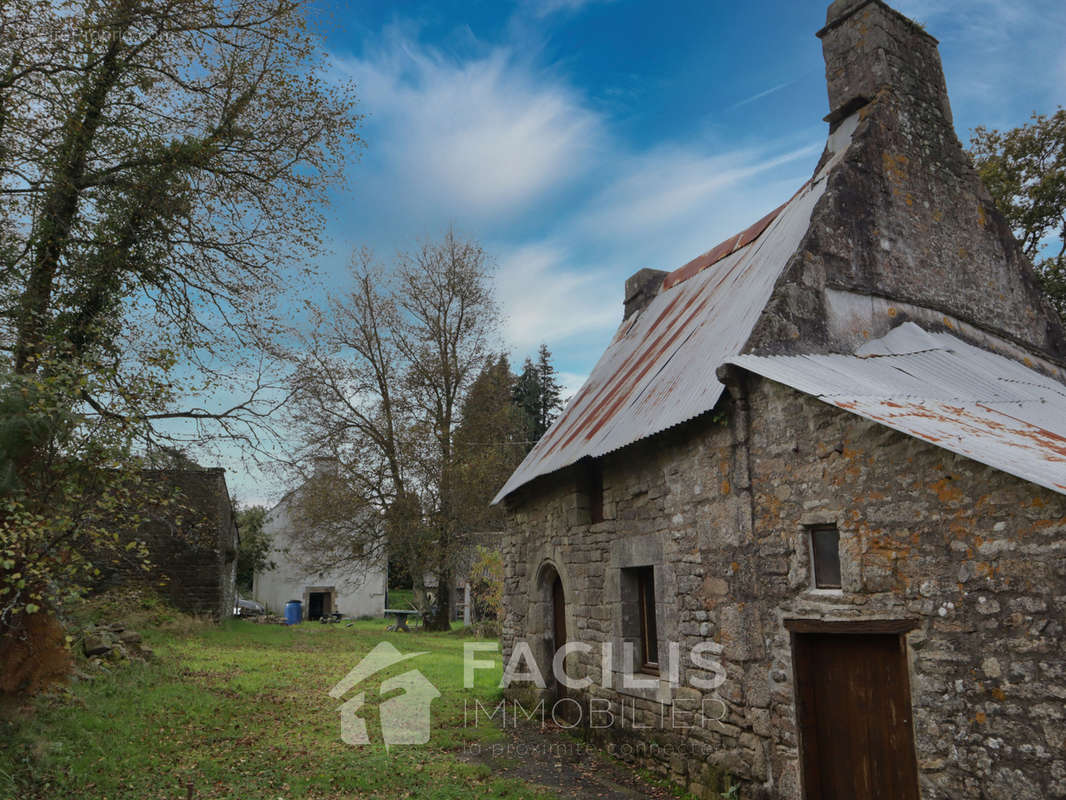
[163, 165]
[243, 711]
[486, 586]
[253, 555]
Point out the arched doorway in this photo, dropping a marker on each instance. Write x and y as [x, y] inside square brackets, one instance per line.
[549, 622]
[558, 626]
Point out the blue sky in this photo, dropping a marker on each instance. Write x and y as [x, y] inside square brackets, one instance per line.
[581, 140]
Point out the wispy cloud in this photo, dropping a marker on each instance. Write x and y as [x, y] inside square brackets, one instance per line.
[658, 189]
[544, 8]
[996, 50]
[761, 95]
[548, 296]
[655, 209]
[497, 144]
[475, 138]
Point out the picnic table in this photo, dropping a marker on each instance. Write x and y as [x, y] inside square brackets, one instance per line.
[401, 615]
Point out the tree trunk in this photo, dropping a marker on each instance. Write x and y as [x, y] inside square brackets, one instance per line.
[442, 620]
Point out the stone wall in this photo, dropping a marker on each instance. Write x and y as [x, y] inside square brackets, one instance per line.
[719, 505]
[192, 540]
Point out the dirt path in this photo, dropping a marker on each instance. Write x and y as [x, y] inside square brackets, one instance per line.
[563, 764]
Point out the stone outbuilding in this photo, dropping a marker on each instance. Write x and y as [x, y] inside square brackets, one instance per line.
[813, 492]
[192, 541]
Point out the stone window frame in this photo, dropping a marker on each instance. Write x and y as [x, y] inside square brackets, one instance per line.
[820, 582]
[804, 546]
[628, 552]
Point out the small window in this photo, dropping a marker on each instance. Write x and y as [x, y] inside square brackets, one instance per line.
[591, 486]
[638, 609]
[825, 556]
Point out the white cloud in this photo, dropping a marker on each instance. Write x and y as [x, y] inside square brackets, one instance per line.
[762, 94]
[544, 8]
[547, 297]
[995, 51]
[475, 139]
[571, 382]
[495, 143]
[655, 209]
[668, 186]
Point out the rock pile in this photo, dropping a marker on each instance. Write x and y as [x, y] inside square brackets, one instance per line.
[113, 642]
[266, 619]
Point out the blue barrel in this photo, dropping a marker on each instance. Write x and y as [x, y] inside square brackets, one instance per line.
[293, 612]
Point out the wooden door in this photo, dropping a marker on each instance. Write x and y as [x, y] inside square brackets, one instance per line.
[558, 626]
[854, 714]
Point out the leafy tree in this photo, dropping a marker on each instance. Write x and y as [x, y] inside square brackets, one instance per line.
[379, 392]
[537, 394]
[1024, 170]
[486, 585]
[254, 553]
[490, 443]
[162, 167]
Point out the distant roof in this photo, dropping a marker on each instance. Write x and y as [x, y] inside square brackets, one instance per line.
[935, 387]
[659, 370]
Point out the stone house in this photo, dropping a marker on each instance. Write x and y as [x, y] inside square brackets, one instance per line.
[355, 591]
[828, 455]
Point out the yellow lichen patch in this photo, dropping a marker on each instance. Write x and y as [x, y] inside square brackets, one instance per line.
[892, 311]
[981, 219]
[895, 167]
[980, 717]
[947, 491]
[725, 486]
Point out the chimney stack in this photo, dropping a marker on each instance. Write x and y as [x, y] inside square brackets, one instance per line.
[641, 288]
[871, 48]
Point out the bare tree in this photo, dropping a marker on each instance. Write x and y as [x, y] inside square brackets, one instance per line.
[380, 392]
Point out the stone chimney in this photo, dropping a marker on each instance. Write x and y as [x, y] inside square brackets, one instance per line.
[871, 48]
[904, 229]
[641, 287]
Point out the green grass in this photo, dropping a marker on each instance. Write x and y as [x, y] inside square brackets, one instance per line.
[242, 711]
[401, 598]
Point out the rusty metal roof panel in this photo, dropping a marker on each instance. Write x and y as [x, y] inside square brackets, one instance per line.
[937, 388]
[659, 369]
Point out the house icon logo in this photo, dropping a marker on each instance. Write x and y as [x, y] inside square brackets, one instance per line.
[404, 717]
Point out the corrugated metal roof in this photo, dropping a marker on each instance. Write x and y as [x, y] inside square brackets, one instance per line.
[659, 369]
[936, 387]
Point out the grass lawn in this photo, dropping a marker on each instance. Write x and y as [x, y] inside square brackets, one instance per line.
[243, 711]
[401, 598]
